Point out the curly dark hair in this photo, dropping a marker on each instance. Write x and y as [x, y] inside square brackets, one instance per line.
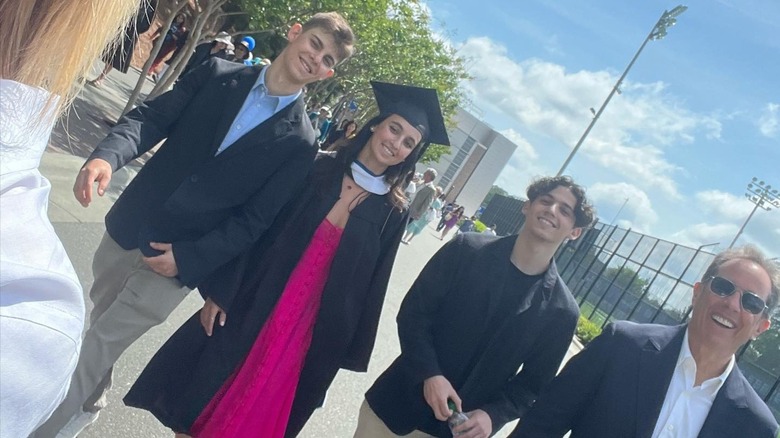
[584, 212]
[394, 175]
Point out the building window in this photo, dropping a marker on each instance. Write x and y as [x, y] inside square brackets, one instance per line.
[457, 160]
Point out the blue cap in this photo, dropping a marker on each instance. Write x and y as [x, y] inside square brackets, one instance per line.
[250, 42]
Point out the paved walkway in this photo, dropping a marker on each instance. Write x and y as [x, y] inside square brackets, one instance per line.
[81, 229]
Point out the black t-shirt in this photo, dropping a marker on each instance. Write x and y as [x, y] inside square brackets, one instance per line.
[516, 288]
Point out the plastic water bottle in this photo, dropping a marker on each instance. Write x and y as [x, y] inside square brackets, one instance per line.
[457, 418]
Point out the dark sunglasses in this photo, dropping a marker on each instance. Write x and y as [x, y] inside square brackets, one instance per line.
[750, 301]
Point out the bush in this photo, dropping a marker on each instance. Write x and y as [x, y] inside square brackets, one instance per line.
[586, 330]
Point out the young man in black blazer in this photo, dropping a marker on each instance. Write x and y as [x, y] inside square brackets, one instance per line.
[482, 307]
[237, 146]
[649, 380]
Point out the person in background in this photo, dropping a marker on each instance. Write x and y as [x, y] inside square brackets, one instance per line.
[451, 221]
[306, 301]
[415, 227]
[41, 300]
[424, 196]
[181, 219]
[482, 308]
[467, 225]
[411, 185]
[320, 121]
[243, 51]
[448, 208]
[176, 32]
[657, 381]
[339, 137]
[119, 55]
[220, 47]
[490, 230]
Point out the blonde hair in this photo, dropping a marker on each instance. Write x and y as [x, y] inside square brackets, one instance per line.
[50, 44]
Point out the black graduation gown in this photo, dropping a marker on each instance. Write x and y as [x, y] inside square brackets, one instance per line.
[190, 368]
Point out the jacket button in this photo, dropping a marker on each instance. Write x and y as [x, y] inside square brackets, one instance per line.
[194, 178]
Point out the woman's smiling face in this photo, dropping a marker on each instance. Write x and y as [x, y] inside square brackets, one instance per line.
[391, 142]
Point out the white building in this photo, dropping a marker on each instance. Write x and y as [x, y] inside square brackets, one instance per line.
[477, 155]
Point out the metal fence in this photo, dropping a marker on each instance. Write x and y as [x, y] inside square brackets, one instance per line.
[618, 274]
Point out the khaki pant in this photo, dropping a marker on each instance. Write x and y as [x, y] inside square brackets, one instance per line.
[371, 426]
[129, 299]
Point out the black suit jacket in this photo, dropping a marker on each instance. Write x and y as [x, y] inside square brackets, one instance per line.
[441, 326]
[616, 386]
[210, 207]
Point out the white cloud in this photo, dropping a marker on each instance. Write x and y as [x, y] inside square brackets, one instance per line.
[523, 146]
[522, 167]
[637, 214]
[705, 233]
[769, 122]
[632, 133]
[724, 206]
[724, 214]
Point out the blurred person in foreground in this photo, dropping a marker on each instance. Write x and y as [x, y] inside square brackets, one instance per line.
[650, 380]
[482, 308]
[46, 46]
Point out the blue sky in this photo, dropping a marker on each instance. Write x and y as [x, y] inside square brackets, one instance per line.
[698, 116]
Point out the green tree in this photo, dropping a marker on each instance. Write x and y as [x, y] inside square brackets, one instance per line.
[626, 278]
[765, 350]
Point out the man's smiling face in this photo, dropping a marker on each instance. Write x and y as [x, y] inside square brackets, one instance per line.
[721, 322]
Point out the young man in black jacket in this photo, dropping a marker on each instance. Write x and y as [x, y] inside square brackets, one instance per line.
[481, 308]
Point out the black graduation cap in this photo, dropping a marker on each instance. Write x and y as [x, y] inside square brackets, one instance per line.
[419, 106]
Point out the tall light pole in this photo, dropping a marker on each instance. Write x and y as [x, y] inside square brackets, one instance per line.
[658, 32]
[618, 212]
[761, 194]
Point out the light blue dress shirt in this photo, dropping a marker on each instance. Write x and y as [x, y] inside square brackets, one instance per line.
[258, 107]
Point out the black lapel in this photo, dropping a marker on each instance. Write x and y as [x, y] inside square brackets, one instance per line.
[237, 87]
[495, 276]
[730, 398]
[656, 365]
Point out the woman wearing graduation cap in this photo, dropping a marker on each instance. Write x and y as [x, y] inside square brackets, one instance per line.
[305, 301]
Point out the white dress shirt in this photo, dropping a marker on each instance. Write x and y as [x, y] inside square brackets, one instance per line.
[686, 406]
[41, 300]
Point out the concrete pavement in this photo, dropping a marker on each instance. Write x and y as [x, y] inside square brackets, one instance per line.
[81, 229]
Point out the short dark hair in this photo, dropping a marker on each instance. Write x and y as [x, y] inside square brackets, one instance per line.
[334, 24]
[584, 212]
[753, 254]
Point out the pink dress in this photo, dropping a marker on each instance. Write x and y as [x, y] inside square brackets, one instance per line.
[257, 398]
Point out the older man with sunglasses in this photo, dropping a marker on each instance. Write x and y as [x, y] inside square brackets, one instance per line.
[646, 380]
